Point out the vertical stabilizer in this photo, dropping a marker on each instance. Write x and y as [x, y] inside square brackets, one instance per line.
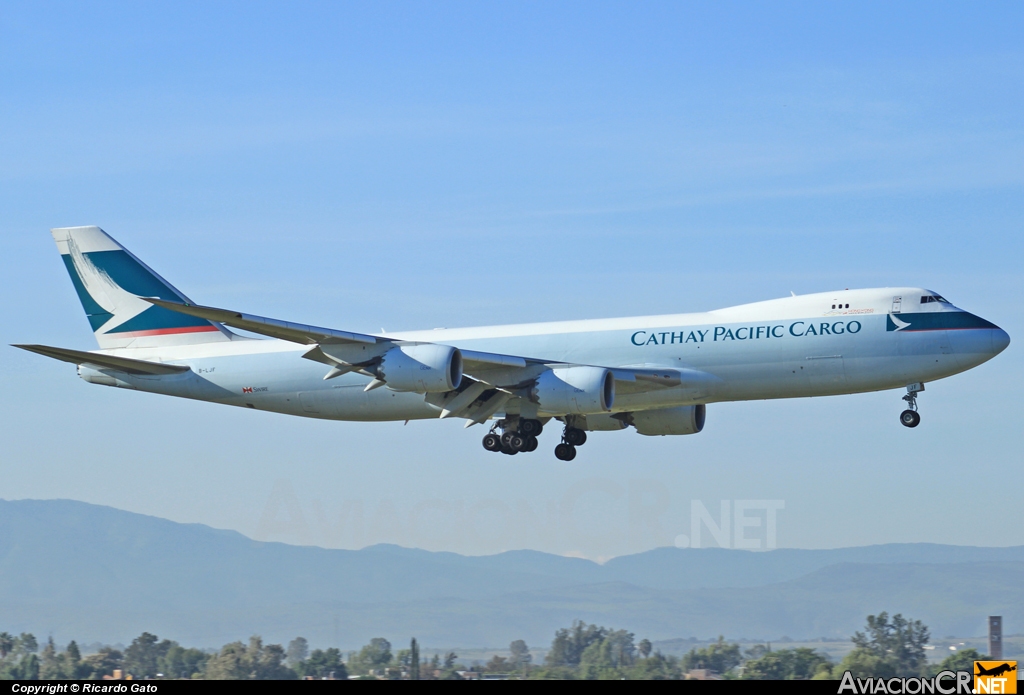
[110, 282]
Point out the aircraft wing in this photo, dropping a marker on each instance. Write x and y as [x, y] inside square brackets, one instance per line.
[331, 346]
[294, 332]
[345, 352]
[101, 361]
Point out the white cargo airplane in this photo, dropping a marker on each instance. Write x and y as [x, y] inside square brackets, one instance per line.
[653, 373]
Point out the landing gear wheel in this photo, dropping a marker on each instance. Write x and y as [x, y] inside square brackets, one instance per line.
[530, 427]
[531, 443]
[574, 436]
[518, 442]
[506, 438]
[909, 418]
[508, 450]
[565, 452]
[492, 442]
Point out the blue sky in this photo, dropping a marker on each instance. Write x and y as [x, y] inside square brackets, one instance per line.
[439, 164]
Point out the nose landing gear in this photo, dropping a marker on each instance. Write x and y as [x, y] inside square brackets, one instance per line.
[910, 416]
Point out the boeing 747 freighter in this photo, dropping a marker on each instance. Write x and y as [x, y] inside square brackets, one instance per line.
[655, 374]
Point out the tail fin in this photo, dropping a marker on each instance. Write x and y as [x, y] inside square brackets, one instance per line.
[110, 282]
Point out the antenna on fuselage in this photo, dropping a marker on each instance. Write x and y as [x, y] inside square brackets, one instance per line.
[791, 292]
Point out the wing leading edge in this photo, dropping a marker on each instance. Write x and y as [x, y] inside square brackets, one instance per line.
[493, 379]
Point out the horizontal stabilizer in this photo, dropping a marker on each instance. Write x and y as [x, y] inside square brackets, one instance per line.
[121, 364]
[285, 330]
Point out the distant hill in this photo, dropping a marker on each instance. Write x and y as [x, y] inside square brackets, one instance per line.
[88, 572]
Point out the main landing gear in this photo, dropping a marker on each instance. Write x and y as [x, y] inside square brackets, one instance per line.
[572, 437]
[510, 436]
[513, 440]
[910, 416]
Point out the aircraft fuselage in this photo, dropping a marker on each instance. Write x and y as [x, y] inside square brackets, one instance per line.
[823, 344]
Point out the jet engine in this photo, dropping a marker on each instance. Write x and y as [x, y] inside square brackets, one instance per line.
[425, 368]
[685, 419]
[575, 390]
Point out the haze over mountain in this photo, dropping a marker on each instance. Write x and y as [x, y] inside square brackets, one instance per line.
[85, 572]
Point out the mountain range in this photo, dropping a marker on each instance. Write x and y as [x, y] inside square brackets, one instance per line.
[79, 571]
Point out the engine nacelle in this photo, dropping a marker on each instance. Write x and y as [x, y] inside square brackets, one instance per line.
[684, 419]
[425, 368]
[575, 390]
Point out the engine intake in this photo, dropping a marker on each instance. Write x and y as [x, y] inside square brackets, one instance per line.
[684, 419]
[425, 368]
[575, 390]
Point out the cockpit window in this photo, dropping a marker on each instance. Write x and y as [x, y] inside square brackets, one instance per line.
[925, 299]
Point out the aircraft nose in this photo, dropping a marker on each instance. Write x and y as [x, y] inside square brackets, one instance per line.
[1000, 340]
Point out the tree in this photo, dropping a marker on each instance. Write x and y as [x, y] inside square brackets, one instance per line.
[497, 664]
[6, 644]
[268, 661]
[717, 656]
[414, 660]
[757, 651]
[962, 660]
[102, 663]
[888, 648]
[373, 656]
[256, 661]
[323, 663]
[569, 644]
[142, 655]
[645, 647]
[228, 665]
[519, 654]
[19, 661]
[620, 646]
[786, 664]
[72, 658]
[605, 658]
[27, 669]
[656, 667]
[449, 668]
[27, 643]
[180, 662]
[51, 666]
[298, 650]
[864, 664]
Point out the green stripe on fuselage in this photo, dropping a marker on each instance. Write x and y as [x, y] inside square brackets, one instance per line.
[937, 321]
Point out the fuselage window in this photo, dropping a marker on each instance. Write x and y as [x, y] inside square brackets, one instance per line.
[928, 298]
